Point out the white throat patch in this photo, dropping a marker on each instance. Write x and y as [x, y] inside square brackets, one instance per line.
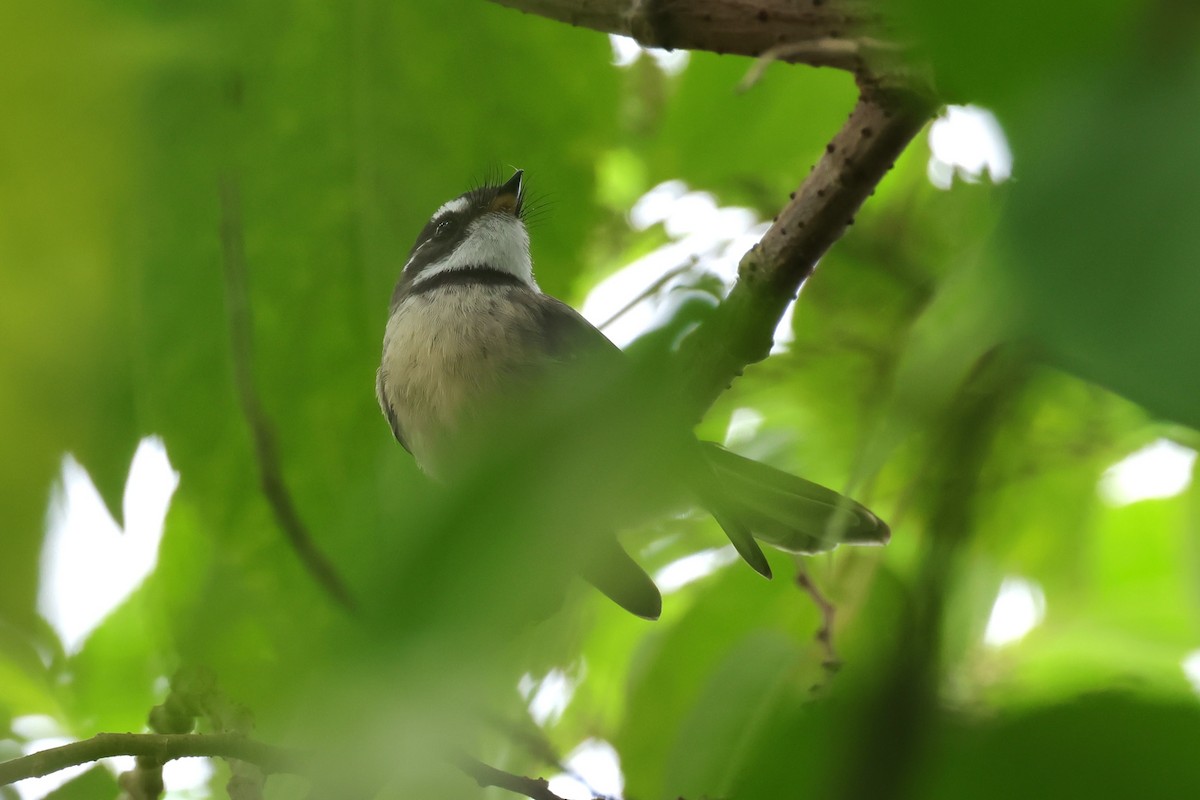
[498, 240]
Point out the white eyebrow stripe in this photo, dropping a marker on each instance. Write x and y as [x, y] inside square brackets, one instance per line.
[456, 205]
[413, 257]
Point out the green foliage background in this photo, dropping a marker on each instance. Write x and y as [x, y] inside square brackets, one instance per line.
[345, 124]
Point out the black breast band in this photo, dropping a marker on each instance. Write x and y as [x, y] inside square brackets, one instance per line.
[465, 276]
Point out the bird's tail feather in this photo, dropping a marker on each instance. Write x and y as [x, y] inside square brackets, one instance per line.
[717, 500]
[611, 570]
[750, 498]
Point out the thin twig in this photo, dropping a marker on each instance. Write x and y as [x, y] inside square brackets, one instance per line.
[814, 51]
[828, 611]
[485, 775]
[144, 781]
[159, 747]
[531, 738]
[536, 744]
[270, 472]
[649, 291]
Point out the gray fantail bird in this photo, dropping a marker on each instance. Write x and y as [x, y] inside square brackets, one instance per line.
[468, 327]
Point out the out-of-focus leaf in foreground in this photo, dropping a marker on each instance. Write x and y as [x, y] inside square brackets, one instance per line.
[345, 126]
[1103, 240]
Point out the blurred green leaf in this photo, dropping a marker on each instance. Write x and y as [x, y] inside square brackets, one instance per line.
[1103, 745]
[113, 677]
[25, 682]
[674, 678]
[725, 725]
[96, 782]
[65, 193]
[752, 146]
[971, 45]
[344, 127]
[1100, 236]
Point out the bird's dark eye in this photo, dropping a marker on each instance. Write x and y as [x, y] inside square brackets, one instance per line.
[444, 228]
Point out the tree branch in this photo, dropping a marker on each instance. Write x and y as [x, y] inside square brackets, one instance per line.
[485, 776]
[270, 472]
[741, 329]
[159, 747]
[893, 106]
[737, 27]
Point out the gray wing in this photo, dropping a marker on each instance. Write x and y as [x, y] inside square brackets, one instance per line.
[568, 336]
[388, 411]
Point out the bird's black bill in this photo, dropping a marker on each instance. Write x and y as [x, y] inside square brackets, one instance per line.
[511, 194]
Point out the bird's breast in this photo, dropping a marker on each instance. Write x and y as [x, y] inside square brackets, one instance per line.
[447, 355]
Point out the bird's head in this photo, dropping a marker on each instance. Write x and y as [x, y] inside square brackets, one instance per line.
[482, 228]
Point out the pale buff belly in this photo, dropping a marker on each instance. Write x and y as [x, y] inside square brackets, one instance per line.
[447, 355]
